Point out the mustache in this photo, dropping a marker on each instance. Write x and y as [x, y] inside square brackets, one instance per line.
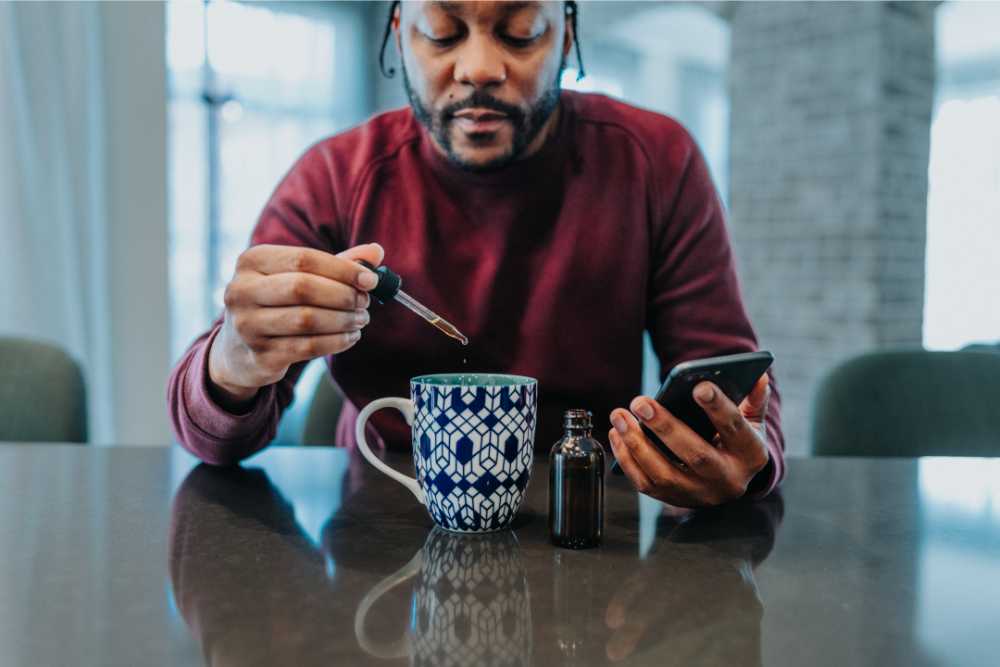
[483, 100]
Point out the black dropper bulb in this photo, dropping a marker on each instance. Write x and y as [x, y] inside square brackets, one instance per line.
[389, 282]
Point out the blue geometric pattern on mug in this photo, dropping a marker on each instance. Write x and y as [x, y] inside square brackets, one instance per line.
[473, 448]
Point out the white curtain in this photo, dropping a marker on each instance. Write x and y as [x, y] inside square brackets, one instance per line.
[54, 281]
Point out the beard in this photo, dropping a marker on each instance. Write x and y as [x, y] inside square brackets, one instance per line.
[526, 124]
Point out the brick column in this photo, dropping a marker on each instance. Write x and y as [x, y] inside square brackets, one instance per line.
[830, 121]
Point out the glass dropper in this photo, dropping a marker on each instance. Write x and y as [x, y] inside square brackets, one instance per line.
[389, 287]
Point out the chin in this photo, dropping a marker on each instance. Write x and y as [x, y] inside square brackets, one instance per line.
[487, 145]
[482, 158]
[480, 163]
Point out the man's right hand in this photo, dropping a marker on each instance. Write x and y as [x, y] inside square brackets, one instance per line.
[287, 304]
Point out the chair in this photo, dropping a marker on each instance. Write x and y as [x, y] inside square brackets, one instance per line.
[324, 412]
[43, 397]
[311, 419]
[983, 347]
[910, 403]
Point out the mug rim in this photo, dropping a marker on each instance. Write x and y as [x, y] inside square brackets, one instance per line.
[507, 380]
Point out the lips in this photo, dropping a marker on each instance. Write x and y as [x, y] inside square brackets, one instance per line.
[477, 121]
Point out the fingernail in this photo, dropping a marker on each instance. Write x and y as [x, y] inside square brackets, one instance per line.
[619, 424]
[367, 280]
[362, 300]
[643, 409]
[361, 317]
[704, 393]
[354, 335]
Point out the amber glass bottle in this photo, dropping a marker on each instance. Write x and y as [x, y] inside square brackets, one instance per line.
[576, 485]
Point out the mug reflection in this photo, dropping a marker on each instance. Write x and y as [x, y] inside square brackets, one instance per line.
[470, 605]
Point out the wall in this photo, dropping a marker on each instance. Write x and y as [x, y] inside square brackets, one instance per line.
[830, 122]
[134, 82]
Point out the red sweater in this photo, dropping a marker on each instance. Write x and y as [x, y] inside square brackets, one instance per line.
[553, 267]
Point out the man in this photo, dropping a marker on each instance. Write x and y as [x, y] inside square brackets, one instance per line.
[551, 228]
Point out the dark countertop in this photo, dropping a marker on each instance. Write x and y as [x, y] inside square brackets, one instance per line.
[132, 556]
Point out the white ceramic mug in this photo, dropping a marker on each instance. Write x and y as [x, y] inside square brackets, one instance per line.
[473, 446]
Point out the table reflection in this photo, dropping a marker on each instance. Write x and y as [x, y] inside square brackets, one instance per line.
[382, 587]
[253, 586]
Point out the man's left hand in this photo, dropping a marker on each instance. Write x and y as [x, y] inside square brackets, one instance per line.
[712, 473]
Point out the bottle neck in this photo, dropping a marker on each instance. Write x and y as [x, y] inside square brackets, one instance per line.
[577, 423]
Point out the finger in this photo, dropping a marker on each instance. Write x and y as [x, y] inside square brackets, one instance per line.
[372, 253]
[631, 469]
[734, 430]
[666, 478]
[622, 644]
[614, 615]
[305, 289]
[292, 349]
[699, 456]
[754, 406]
[275, 259]
[628, 593]
[305, 320]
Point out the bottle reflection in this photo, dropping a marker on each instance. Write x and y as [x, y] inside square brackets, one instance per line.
[575, 578]
[471, 604]
[692, 601]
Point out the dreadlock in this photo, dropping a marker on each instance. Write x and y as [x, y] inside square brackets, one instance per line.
[572, 12]
[391, 72]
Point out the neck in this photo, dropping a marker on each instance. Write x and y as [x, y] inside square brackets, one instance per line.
[543, 134]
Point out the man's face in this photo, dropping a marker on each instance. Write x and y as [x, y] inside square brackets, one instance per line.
[483, 77]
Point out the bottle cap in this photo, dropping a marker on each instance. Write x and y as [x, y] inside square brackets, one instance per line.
[577, 418]
[389, 283]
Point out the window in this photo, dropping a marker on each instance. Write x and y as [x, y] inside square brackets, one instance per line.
[963, 206]
[250, 88]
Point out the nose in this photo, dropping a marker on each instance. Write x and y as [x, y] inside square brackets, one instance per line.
[480, 63]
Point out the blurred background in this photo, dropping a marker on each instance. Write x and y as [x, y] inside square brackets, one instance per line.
[856, 146]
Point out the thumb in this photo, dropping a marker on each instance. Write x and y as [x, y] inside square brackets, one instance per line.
[754, 406]
[370, 252]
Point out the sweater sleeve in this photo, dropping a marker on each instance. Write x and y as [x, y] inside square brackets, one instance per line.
[695, 305]
[301, 212]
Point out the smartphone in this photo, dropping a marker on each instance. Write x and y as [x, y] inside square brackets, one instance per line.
[735, 375]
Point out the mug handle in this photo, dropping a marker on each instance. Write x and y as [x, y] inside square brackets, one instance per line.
[400, 647]
[405, 406]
